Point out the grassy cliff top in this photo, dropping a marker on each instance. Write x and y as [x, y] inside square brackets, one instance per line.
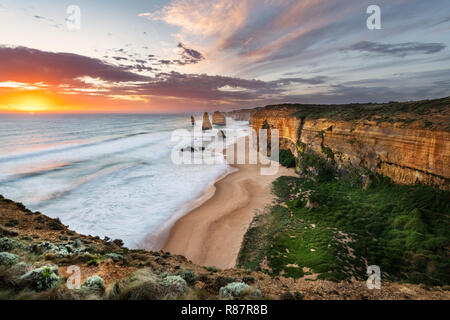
[33, 242]
[426, 114]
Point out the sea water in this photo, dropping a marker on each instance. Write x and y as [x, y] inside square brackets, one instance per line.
[103, 175]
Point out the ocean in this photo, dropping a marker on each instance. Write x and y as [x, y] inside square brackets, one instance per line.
[103, 175]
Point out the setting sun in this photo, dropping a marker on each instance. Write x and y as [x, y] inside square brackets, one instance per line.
[30, 102]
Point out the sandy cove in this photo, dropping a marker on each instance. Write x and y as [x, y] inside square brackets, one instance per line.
[212, 234]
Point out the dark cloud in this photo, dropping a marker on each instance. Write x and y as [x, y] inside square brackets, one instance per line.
[189, 56]
[166, 62]
[29, 65]
[398, 49]
[120, 58]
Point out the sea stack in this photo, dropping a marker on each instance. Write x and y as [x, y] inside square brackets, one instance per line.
[219, 119]
[206, 122]
[193, 120]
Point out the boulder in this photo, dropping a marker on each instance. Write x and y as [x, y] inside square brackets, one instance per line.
[219, 119]
[206, 122]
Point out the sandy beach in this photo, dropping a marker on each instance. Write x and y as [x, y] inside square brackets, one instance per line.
[211, 234]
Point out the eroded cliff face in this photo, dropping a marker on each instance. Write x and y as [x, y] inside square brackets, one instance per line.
[407, 155]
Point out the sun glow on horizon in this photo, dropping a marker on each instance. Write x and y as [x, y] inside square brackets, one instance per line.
[30, 102]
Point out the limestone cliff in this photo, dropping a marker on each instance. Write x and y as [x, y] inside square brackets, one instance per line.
[398, 142]
[219, 119]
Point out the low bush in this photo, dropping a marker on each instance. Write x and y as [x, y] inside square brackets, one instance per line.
[8, 259]
[239, 290]
[94, 283]
[42, 278]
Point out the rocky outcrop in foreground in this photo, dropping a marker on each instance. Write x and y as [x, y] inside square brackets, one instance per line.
[219, 119]
[37, 251]
[206, 122]
[407, 142]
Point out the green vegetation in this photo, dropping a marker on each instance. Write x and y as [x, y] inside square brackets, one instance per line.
[95, 283]
[333, 228]
[189, 277]
[287, 159]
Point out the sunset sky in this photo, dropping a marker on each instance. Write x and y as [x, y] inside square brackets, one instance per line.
[194, 55]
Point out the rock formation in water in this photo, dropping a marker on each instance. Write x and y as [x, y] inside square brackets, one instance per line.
[193, 120]
[407, 142]
[206, 122]
[219, 119]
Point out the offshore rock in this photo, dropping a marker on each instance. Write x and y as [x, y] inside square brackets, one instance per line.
[206, 122]
[219, 119]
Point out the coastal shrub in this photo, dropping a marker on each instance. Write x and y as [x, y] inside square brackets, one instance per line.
[55, 224]
[291, 296]
[7, 233]
[8, 259]
[19, 268]
[48, 247]
[76, 242]
[118, 242]
[92, 263]
[42, 278]
[145, 285]
[176, 283]
[12, 223]
[189, 277]
[203, 278]
[114, 257]
[249, 279]
[287, 159]
[239, 290]
[7, 244]
[220, 281]
[94, 283]
[212, 269]
[148, 290]
[77, 258]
